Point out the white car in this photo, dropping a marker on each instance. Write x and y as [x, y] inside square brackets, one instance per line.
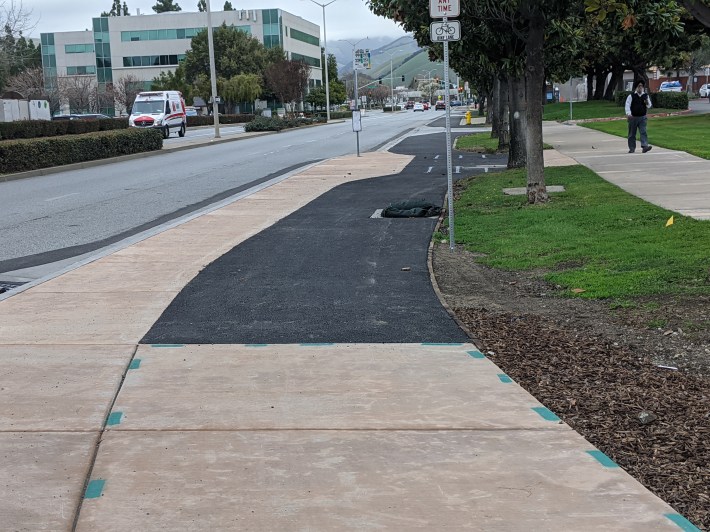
[704, 91]
[671, 86]
[418, 107]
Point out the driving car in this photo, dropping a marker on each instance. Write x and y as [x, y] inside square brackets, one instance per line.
[418, 107]
[409, 105]
[671, 86]
[440, 105]
[704, 91]
[426, 105]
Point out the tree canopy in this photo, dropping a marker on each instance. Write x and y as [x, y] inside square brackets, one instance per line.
[164, 6]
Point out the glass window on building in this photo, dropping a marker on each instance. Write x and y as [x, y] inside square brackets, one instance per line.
[305, 37]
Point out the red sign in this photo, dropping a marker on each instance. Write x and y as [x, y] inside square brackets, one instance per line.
[444, 8]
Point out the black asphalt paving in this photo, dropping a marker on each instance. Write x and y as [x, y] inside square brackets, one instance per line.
[328, 273]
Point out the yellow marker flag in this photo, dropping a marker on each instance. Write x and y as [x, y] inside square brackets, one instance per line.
[670, 221]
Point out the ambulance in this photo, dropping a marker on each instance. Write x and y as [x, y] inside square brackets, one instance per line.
[164, 110]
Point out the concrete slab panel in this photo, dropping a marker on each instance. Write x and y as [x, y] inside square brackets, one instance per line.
[63, 388]
[363, 480]
[42, 478]
[321, 387]
[34, 317]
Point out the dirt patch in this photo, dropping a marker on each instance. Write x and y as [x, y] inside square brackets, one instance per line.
[597, 366]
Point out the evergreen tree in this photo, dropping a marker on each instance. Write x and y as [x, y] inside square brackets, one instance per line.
[164, 6]
[202, 6]
[228, 6]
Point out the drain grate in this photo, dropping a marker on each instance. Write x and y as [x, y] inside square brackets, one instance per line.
[6, 286]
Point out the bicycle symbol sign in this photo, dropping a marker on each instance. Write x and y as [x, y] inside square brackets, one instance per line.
[445, 31]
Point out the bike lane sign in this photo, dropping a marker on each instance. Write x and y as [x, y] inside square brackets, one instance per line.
[444, 8]
[445, 31]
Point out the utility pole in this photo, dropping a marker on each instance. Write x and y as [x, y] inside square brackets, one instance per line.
[213, 71]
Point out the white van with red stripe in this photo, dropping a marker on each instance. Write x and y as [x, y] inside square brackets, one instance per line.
[164, 110]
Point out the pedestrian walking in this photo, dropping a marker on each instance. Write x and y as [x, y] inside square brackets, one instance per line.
[637, 104]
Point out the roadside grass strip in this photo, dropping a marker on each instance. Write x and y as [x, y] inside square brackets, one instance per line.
[589, 110]
[482, 143]
[682, 133]
[593, 241]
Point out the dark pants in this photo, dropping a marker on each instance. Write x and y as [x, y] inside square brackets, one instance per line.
[637, 122]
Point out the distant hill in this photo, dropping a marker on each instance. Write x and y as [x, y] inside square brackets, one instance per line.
[408, 60]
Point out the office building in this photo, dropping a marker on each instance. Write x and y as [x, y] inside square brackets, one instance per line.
[143, 46]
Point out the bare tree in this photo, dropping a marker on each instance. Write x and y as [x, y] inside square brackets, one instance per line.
[125, 90]
[288, 80]
[14, 18]
[80, 92]
[31, 84]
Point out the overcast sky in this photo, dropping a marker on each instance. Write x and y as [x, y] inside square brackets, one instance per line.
[345, 19]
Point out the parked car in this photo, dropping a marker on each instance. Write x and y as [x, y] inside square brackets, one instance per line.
[440, 105]
[455, 103]
[671, 86]
[190, 111]
[704, 91]
[409, 105]
[89, 116]
[418, 107]
[426, 106]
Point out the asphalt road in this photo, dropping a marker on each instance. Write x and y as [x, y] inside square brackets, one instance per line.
[329, 272]
[49, 218]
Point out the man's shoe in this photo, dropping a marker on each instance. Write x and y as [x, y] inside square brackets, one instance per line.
[647, 149]
[632, 151]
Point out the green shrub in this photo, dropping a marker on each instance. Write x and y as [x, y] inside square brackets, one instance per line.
[31, 154]
[670, 100]
[620, 97]
[30, 129]
[193, 121]
[262, 123]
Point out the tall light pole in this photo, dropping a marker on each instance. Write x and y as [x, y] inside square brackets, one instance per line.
[213, 71]
[391, 54]
[357, 103]
[325, 52]
[428, 77]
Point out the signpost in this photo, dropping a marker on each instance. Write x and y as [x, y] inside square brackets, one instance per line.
[445, 31]
[361, 61]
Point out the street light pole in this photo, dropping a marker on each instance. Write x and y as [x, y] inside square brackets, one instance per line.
[391, 54]
[325, 52]
[213, 71]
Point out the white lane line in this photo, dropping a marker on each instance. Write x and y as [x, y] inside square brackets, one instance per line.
[460, 156]
[458, 170]
[436, 157]
[429, 170]
[61, 197]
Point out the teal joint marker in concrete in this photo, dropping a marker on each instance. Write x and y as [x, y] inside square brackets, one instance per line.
[546, 414]
[256, 345]
[316, 344]
[168, 346]
[94, 489]
[506, 380]
[135, 363]
[603, 459]
[114, 419]
[439, 343]
[682, 522]
[476, 354]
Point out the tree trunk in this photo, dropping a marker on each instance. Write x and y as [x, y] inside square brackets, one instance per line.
[640, 74]
[494, 110]
[504, 117]
[601, 75]
[518, 122]
[590, 84]
[483, 106]
[534, 78]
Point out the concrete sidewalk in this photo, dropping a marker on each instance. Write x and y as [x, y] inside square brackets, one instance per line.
[674, 180]
[98, 432]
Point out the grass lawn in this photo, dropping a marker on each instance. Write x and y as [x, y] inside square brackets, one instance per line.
[591, 109]
[684, 133]
[593, 237]
[482, 143]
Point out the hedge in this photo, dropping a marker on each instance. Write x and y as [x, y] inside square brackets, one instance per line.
[262, 123]
[193, 121]
[31, 154]
[30, 129]
[662, 100]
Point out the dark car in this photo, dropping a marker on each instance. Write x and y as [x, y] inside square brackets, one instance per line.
[90, 116]
[440, 105]
[409, 105]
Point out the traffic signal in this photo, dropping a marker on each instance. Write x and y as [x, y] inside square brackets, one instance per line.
[379, 81]
[460, 89]
[402, 78]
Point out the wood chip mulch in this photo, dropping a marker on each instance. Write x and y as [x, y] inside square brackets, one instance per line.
[653, 422]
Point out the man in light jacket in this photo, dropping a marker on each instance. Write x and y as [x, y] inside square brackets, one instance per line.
[637, 104]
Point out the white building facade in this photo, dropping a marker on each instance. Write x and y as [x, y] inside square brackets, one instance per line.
[143, 46]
